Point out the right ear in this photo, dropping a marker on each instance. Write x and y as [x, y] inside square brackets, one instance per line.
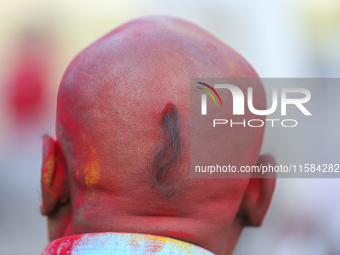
[54, 184]
[258, 194]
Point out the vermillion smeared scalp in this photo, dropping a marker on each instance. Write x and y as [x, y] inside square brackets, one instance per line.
[109, 123]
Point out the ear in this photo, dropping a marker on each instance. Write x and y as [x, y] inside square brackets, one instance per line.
[54, 186]
[258, 194]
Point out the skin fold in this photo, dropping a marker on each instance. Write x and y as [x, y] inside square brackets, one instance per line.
[96, 174]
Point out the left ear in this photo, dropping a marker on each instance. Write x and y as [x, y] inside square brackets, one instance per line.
[54, 186]
[258, 195]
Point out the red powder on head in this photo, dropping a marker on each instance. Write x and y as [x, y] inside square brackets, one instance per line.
[109, 106]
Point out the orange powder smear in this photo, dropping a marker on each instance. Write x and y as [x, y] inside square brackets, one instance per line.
[92, 169]
[48, 170]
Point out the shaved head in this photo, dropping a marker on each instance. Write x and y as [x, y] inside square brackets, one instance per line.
[123, 139]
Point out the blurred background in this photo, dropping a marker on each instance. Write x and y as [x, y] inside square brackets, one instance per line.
[283, 38]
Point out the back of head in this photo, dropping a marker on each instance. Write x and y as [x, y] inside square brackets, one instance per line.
[123, 138]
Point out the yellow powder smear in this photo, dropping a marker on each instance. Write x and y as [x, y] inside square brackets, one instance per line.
[182, 245]
[162, 242]
[92, 169]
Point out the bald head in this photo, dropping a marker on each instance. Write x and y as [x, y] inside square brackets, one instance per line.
[123, 138]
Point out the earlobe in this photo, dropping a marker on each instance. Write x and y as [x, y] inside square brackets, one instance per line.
[258, 195]
[54, 186]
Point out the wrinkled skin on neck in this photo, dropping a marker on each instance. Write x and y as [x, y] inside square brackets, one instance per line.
[110, 103]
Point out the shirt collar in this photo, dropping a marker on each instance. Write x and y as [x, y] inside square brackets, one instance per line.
[121, 243]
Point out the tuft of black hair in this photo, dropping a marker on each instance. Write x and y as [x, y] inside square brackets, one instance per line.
[168, 152]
